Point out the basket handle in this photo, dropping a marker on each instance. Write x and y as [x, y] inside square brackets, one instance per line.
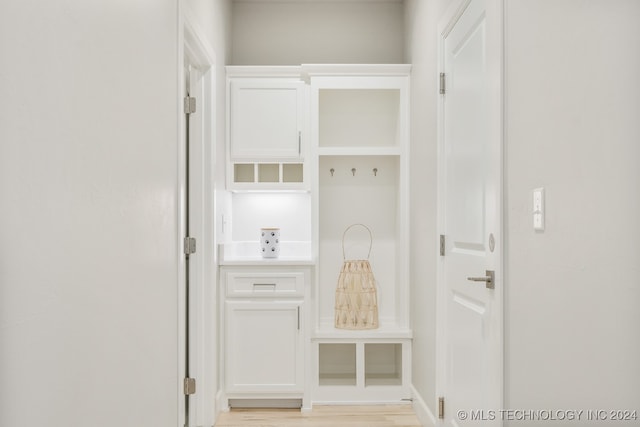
[344, 256]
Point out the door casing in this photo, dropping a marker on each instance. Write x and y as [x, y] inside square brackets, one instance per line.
[194, 50]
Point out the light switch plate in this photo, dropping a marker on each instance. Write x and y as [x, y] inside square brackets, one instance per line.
[538, 209]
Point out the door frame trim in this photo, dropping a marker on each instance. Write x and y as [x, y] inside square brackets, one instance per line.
[445, 25]
[194, 48]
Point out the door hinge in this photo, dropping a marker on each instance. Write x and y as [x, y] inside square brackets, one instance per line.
[442, 245]
[189, 105]
[442, 84]
[189, 245]
[441, 408]
[189, 385]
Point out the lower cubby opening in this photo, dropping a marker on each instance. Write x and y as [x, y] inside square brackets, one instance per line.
[361, 370]
[382, 364]
[337, 364]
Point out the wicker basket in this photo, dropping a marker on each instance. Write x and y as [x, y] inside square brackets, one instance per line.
[356, 296]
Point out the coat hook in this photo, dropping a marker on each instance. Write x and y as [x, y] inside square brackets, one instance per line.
[375, 171]
[353, 171]
[332, 170]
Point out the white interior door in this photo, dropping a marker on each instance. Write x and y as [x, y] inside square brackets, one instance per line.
[470, 213]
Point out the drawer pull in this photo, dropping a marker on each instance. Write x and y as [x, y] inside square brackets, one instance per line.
[264, 286]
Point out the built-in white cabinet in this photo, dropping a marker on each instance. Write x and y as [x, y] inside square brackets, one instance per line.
[265, 336]
[359, 119]
[267, 133]
[347, 147]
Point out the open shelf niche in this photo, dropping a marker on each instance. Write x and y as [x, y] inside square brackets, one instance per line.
[382, 364]
[337, 364]
[359, 117]
[253, 175]
[359, 126]
[360, 197]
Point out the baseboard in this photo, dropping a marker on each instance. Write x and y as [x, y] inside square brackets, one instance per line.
[360, 402]
[424, 414]
[266, 403]
[222, 405]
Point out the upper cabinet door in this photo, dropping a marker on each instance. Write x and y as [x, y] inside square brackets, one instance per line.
[266, 119]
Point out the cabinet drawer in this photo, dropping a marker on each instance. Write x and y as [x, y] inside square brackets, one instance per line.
[251, 285]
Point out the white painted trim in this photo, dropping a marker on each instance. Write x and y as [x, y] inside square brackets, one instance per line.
[196, 43]
[420, 407]
[222, 403]
[495, 32]
[505, 269]
[192, 45]
[372, 70]
[261, 71]
[361, 403]
[181, 214]
[501, 268]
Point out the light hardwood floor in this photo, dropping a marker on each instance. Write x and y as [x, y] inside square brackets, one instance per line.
[322, 416]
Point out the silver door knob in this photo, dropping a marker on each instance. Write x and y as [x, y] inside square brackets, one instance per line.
[489, 279]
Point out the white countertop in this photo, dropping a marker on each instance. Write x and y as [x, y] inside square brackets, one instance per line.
[248, 253]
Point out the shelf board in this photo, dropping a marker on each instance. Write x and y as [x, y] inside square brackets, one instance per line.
[261, 71]
[357, 70]
[337, 379]
[372, 380]
[359, 151]
[331, 333]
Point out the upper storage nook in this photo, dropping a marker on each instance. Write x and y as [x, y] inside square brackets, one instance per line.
[359, 118]
[359, 109]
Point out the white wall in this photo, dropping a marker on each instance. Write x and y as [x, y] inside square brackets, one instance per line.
[213, 19]
[311, 32]
[573, 103]
[288, 211]
[89, 219]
